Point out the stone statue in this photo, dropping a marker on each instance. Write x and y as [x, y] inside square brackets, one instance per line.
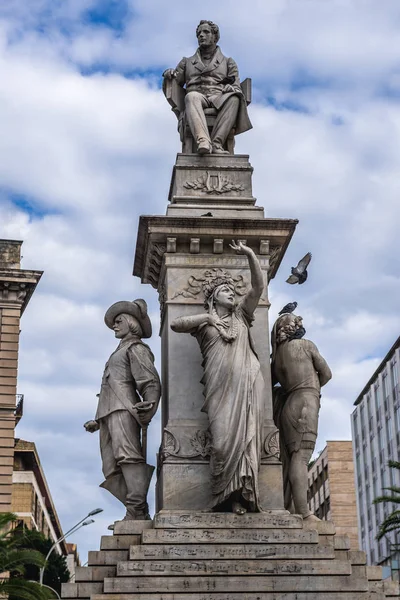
[121, 413]
[301, 371]
[234, 387]
[211, 81]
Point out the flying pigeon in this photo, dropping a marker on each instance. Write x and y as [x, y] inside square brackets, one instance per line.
[288, 308]
[299, 273]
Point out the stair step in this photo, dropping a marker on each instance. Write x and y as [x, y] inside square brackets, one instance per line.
[231, 551]
[106, 557]
[94, 573]
[81, 590]
[236, 583]
[242, 596]
[232, 567]
[119, 542]
[226, 536]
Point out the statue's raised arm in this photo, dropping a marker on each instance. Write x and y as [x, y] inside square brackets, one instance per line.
[206, 95]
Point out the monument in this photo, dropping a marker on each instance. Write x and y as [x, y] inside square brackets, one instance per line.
[221, 529]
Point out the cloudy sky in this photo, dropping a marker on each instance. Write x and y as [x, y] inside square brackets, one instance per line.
[87, 145]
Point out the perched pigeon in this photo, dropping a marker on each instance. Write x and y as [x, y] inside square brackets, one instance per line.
[299, 273]
[288, 308]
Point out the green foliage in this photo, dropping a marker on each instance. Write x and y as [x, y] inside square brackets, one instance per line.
[56, 571]
[14, 560]
[392, 521]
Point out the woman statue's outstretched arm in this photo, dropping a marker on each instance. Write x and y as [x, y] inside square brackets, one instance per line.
[189, 324]
[250, 301]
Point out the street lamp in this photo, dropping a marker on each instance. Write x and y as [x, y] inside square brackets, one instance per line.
[82, 523]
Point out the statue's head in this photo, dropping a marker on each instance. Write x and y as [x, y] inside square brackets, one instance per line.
[288, 327]
[129, 318]
[218, 289]
[125, 324]
[207, 33]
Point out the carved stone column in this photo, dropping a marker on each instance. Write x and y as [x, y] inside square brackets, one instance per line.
[211, 203]
[16, 288]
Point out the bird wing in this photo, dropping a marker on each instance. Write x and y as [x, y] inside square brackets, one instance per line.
[292, 279]
[304, 262]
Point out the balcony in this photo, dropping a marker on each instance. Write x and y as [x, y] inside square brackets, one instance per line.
[19, 408]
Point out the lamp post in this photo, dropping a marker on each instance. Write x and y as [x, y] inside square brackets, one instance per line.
[82, 523]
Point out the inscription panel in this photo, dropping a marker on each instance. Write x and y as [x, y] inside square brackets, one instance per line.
[233, 567]
[226, 536]
[227, 520]
[237, 583]
[231, 551]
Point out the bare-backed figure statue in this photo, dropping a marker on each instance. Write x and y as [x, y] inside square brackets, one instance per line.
[129, 397]
[234, 387]
[211, 81]
[301, 371]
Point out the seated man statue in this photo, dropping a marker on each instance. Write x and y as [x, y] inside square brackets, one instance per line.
[301, 371]
[211, 80]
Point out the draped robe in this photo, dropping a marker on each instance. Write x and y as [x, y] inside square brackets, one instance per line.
[234, 397]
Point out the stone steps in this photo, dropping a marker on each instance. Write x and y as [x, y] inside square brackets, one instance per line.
[218, 556]
[242, 596]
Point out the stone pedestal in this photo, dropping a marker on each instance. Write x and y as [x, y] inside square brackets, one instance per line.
[211, 203]
[195, 556]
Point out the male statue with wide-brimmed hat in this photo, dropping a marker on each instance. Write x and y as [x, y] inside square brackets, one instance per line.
[128, 400]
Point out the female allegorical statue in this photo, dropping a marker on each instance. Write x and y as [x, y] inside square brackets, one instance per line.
[233, 385]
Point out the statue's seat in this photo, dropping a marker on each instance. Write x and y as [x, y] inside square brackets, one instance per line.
[175, 95]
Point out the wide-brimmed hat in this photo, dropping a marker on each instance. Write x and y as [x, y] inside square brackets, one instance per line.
[137, 308]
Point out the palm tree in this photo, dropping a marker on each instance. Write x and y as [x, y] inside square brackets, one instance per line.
[13, 560]
[392, 521]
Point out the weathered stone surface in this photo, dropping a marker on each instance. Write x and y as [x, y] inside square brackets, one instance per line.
[93, 573]
[81, 590]
[131, 527]
[226, 536]
[232, 567]
[119, 542]
[193, 520]
[336, 583]
[242, 596]
[341, 542]
[323, 527]
[106, 557]
[231, 551]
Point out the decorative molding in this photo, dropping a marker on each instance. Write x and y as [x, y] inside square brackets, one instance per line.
[273, 257]
[11, 291]
[170, 446]
[195, 284]
[214, 183]
[271, 445]
[156, 258]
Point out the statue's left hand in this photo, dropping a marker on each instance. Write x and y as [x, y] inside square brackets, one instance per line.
[146, 411]
[240, 248]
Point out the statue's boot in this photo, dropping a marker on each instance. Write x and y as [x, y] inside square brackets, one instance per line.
[137, 478]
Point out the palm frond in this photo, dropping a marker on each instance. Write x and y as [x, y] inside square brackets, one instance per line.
[25, 590]
[393, 499]
[16, 560]
[394, 464]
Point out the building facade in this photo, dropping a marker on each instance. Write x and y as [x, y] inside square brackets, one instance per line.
[16, 288]
[331, 489]
[376, 439]
[31, 500]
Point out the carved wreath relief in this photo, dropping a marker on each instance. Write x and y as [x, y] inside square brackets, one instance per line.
[195, 284]
[213, 183]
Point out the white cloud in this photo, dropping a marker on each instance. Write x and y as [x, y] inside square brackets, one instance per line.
[91, 152]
